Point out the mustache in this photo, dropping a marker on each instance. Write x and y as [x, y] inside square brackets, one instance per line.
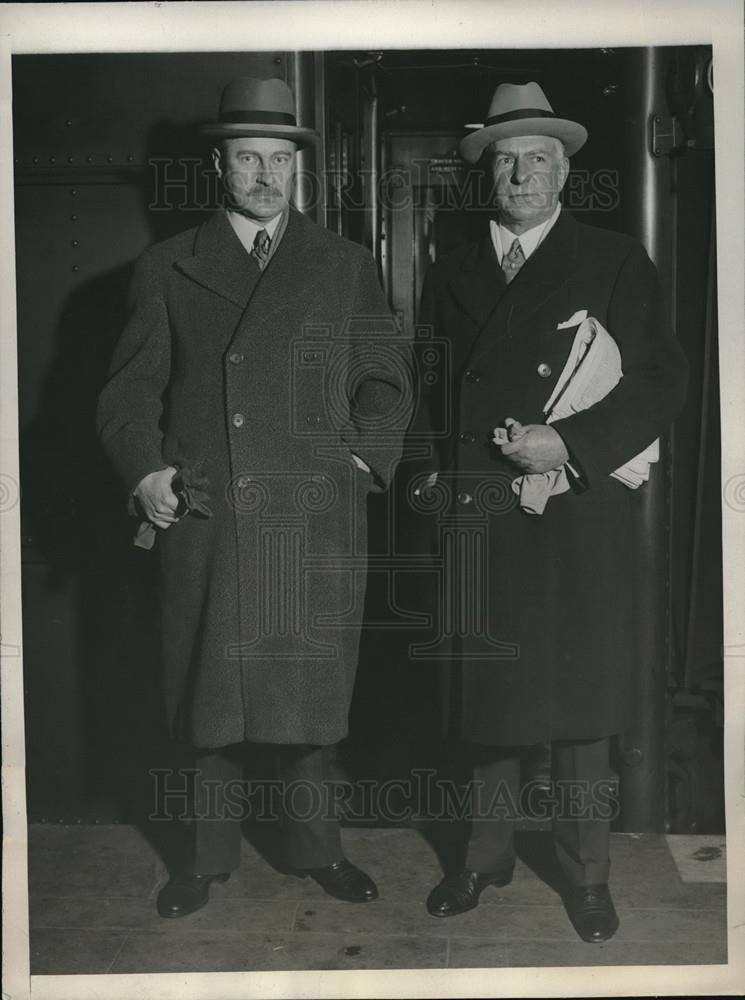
[265, 189]
[235, 181]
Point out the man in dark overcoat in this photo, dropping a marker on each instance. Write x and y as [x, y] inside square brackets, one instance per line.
[258, 393]
[550, 660]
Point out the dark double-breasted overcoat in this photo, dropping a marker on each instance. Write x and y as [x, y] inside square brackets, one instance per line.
[272, 380]
[541, 605]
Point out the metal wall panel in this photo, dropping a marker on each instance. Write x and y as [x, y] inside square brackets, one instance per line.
[101, 110]
[71, 241]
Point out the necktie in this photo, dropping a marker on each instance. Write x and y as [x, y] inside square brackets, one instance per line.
[513, 260]
[262, 242]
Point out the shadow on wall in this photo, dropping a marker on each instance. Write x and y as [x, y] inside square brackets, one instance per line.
[85, 563]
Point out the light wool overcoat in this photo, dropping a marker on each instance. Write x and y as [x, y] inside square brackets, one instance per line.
[272, 380]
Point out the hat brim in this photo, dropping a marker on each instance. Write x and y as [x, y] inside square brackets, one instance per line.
[237, 130]
[572, 134]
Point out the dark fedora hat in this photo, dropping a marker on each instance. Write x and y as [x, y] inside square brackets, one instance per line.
[251, 107]
[521, 109]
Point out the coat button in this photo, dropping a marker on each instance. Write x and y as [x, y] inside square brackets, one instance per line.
[472, 376]
[235, 358]
[543, 369]
[464, 498]
[238, 420]
[467, 437]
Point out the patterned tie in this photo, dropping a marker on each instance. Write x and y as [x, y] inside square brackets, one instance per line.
[513, 261]
[262, 242]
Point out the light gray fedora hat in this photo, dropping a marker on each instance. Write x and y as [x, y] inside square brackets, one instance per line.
[252, 107]
[521, 109]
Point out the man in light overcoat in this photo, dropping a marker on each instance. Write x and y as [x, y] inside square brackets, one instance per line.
[257, 395]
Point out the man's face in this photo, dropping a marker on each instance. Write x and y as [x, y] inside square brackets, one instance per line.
[257, 174]
[529, 172]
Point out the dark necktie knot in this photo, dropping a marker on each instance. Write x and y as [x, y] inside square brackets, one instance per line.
[262, 242]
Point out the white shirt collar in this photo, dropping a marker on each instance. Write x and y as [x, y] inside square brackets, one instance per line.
[246, 229]
[503, 238]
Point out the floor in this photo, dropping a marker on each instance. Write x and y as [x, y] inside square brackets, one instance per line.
[93, 889]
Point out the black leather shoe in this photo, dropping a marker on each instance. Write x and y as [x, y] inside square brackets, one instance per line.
[460, 891]
[591, 910]
[183, 894]
[343, 880]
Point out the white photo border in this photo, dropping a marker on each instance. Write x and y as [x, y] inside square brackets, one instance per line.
[383, 24]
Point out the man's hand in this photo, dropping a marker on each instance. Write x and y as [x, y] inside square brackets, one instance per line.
[157, 499]
[534, 447]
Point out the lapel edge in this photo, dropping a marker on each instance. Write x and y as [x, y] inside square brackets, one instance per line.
[219, 261]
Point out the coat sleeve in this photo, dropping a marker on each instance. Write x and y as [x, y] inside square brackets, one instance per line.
[130, 405]
[379, 378]
[652, 390]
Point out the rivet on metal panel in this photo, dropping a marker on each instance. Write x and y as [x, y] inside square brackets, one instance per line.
[130, 158]
[633, 757]
[277, 60]
[70, 159]
[75, 267]
[68, 122]
[109, 158]
[75, 243]
[73, 192]
[73, 218]
[89, 158]
[52, 159]
[34, 159]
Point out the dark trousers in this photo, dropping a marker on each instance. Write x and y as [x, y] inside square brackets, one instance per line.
[580, 805]
[293, 796]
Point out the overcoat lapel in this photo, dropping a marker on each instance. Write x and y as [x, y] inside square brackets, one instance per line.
[293, 272]
[543, 274]
[220, 262]
[478, 286]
